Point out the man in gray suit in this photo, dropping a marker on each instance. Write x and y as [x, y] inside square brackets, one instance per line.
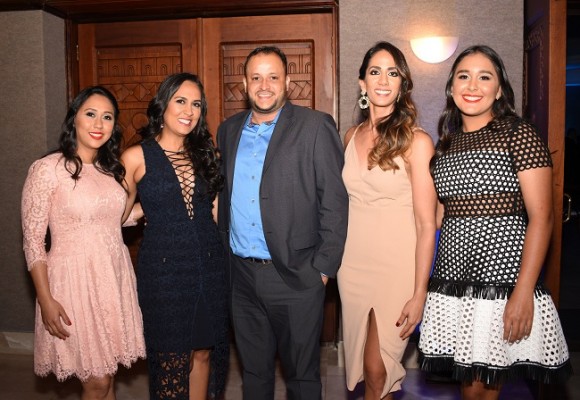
[283, 214]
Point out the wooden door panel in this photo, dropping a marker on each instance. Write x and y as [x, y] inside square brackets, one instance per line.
[310, 51]
[131, 59]
[133, 74]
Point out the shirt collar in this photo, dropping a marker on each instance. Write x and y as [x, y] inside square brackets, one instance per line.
[251, 124]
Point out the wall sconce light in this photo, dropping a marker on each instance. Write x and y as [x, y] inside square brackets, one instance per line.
[434, 49]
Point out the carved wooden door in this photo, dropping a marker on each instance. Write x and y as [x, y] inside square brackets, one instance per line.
[306, 39]
[132, 58]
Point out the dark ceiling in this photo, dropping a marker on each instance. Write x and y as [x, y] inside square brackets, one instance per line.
[99, 10]
[123, 10]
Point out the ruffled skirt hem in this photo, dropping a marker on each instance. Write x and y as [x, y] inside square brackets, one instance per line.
[495, 375]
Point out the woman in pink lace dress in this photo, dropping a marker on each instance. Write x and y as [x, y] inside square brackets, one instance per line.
[87, 316]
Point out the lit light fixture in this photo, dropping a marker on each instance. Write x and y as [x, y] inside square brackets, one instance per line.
[434, 49]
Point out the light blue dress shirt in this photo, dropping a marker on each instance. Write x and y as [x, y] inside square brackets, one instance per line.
[246, 232]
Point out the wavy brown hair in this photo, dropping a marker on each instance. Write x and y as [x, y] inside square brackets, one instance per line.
[395, 131]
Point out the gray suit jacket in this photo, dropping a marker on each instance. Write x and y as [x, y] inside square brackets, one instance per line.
[303, 201]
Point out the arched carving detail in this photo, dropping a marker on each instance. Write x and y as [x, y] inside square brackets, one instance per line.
[133, 75]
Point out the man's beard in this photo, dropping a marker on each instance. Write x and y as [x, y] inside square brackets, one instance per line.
[275, 106]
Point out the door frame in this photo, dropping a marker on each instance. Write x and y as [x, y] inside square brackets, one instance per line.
[545, 29]
[327, 100]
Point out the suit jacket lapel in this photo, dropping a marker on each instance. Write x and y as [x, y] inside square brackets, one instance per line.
[281, 132]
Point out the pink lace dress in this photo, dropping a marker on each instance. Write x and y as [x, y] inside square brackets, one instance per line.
[89, 270]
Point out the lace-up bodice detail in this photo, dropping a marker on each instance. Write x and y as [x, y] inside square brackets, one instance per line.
[185, 174]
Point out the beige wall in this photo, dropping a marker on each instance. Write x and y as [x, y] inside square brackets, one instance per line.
[32, 106]
[33, 93]
[497, 23]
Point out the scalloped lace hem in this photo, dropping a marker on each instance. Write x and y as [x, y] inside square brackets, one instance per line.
[63, 374]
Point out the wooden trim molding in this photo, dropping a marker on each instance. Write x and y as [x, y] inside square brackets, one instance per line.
[86, 11]
[556, 127]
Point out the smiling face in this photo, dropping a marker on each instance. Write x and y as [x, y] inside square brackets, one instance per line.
[474, 89]
[266, 84]
[94, 123]
[183, 110]
[382, 83]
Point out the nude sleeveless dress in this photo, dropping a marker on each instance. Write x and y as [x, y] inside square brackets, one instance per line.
[378, 266]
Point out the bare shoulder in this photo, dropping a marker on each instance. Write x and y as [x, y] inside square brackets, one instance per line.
[422, 140]
[349, 134]
[421, 135]
[133, 155]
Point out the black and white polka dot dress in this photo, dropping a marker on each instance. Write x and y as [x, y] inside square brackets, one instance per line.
[478, 261]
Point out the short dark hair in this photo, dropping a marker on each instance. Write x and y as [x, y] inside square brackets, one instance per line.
[267, 50]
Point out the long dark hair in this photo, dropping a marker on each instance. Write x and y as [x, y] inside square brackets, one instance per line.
[107, 159]
[450, 120]
[199, 142]
[395, 131]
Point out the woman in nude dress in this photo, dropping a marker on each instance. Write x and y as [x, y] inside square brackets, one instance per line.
[87, 316]
[391, 234]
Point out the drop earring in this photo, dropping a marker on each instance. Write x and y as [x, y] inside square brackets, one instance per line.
[363, 101]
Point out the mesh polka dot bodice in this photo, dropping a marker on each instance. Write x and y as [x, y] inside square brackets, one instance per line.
[477, 182]
[477, 176]
[478, 262]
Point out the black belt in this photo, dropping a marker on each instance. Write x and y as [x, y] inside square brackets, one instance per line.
[258, 260]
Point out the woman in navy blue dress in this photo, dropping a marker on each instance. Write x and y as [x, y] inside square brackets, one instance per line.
[181, 268]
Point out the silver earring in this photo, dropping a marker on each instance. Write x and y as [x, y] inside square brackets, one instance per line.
[363, 101]
[162, 126]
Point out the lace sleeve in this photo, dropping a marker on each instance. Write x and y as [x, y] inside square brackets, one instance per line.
[37, 194]
[528, 149]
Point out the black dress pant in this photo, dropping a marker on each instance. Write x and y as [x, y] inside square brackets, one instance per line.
[269, 317]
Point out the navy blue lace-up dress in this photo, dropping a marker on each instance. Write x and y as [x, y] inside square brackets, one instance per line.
[180, 275]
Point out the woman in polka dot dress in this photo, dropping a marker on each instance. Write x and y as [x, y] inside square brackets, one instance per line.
[487, 319]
